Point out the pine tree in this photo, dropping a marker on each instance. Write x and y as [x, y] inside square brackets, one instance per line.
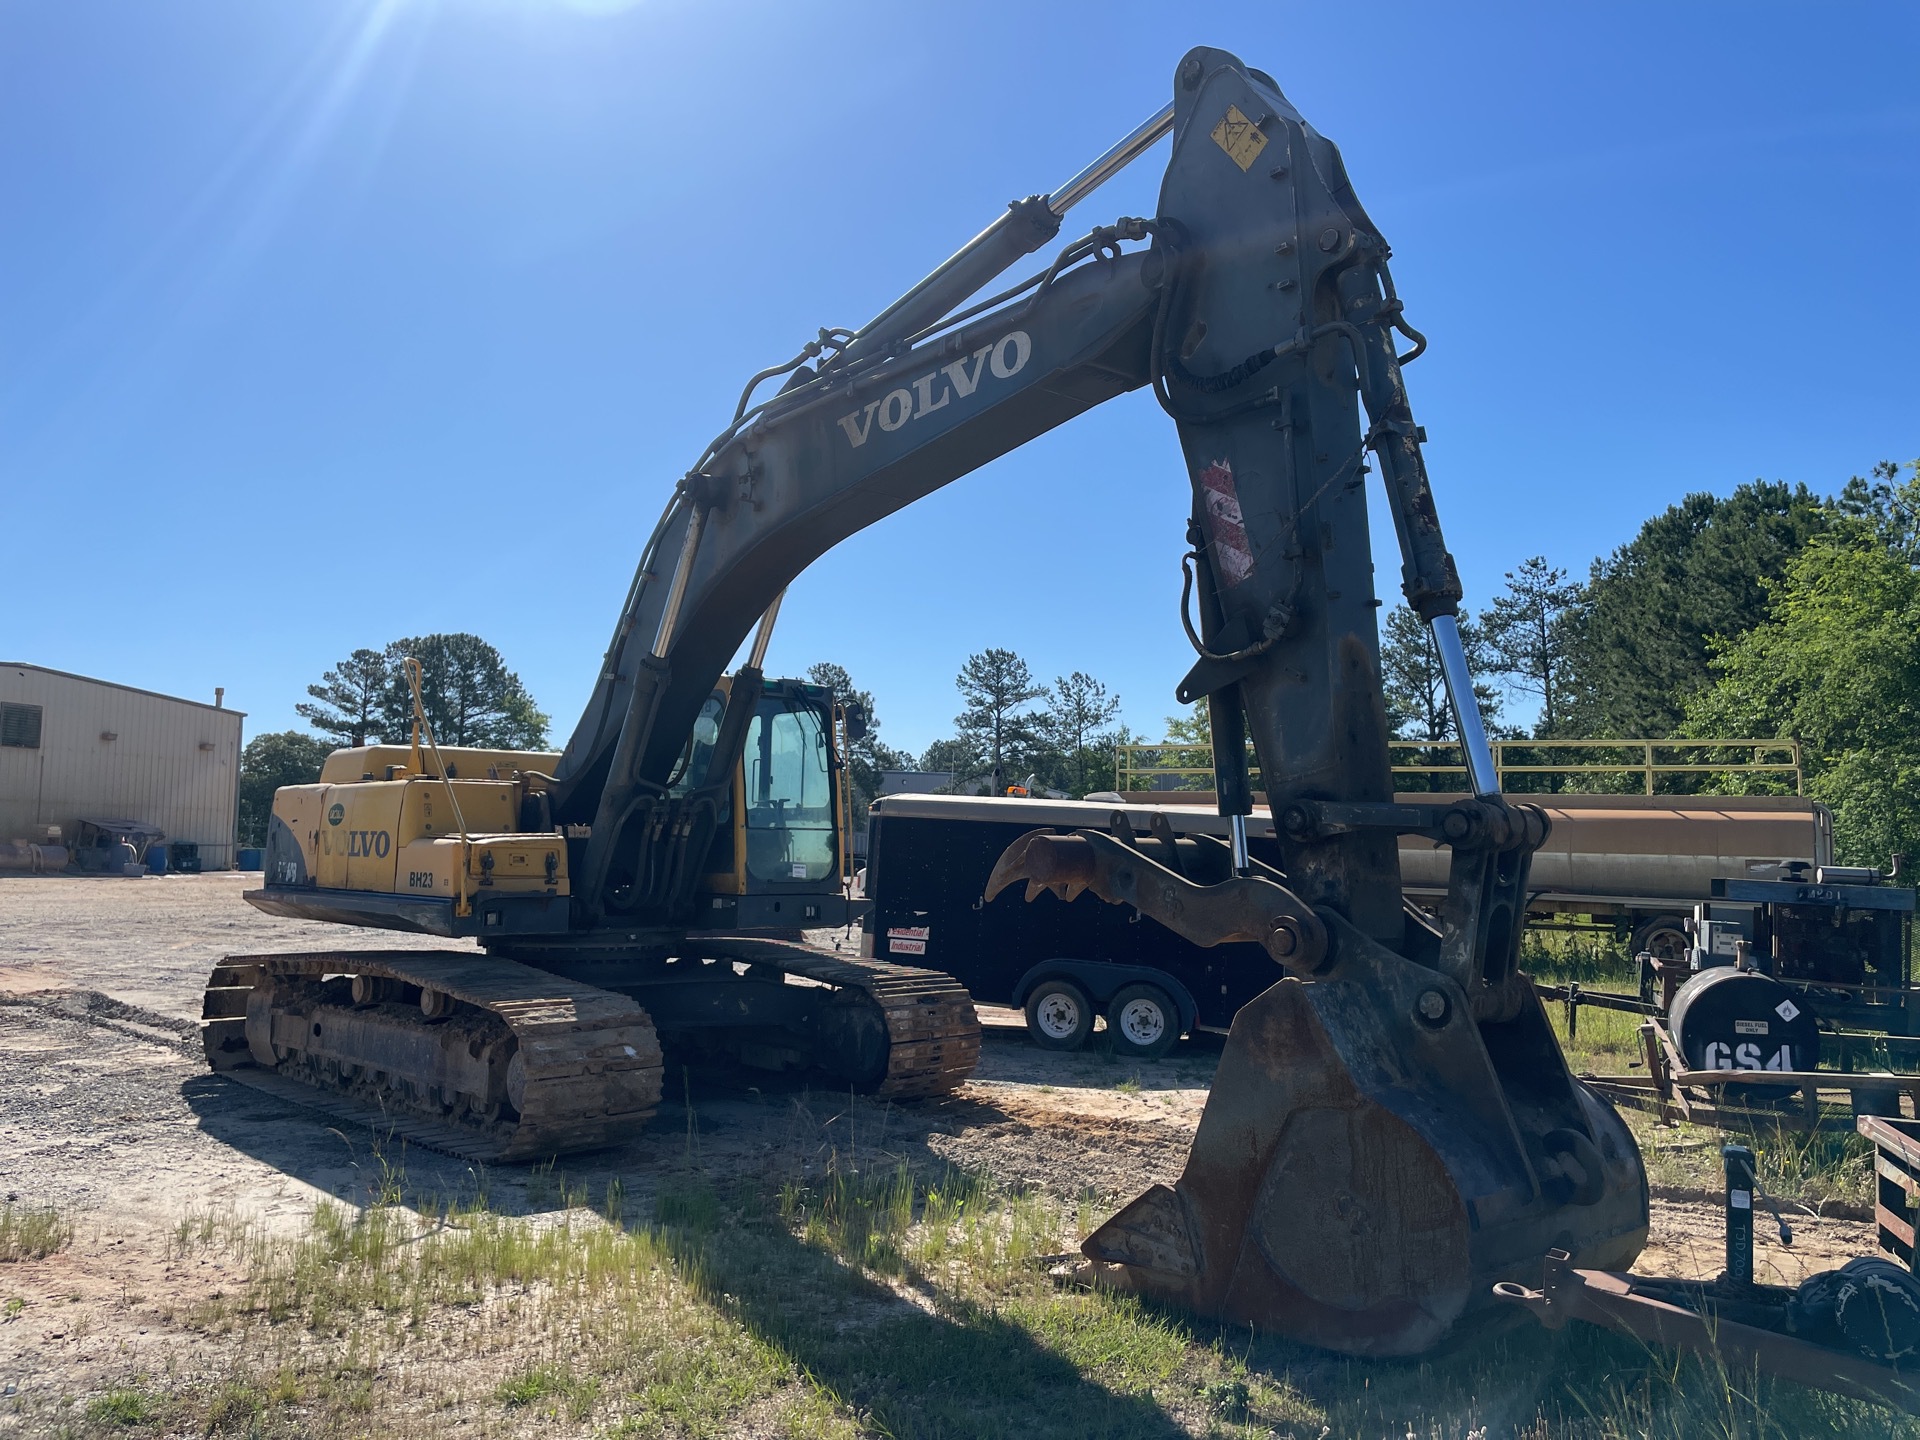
[1531, 631]
[1078, 709]
[867, 756]
[998, 686]
[351, 699]
[470, 696]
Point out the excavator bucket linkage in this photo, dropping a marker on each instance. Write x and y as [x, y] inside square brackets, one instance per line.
[1382, 1144]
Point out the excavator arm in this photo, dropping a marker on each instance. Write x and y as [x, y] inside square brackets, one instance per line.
[1393, 1128]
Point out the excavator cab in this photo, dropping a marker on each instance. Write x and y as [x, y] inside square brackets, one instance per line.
[785, 857]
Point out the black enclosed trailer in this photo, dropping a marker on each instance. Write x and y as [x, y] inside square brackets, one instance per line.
[928, 859]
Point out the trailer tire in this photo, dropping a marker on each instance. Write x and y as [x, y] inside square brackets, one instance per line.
[1143, 1021]
[1059, 1015]
[1664, 937]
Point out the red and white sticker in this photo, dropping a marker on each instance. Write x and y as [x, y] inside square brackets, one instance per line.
[1226, 526]
[907, 940]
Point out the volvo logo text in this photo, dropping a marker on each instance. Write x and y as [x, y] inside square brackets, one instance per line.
[1003, 359]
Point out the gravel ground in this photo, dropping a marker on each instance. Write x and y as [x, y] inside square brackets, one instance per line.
[111, 1115]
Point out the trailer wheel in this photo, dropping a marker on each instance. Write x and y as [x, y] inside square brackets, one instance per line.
[1142, 1022]
[1664, 937]
[1059, 1015]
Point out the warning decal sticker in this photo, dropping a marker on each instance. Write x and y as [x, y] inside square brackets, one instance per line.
[1226, 527]
[907, 940]
[1240, 138]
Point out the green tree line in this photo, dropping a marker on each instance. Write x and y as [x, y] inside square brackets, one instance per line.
[1769, 613]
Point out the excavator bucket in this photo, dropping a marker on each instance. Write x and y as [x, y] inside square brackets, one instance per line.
[1342, 1189]
[1373, 1158]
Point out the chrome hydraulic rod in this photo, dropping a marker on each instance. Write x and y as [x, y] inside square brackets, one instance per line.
[677, 588]
[757, 657]
[1466, 710]
[1237, 824]
[1116, 159]
[1022, 229]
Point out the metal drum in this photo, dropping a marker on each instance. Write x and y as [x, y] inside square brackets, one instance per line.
[1727, 1019]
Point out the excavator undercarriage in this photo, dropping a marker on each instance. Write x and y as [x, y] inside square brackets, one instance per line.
[492, 1060]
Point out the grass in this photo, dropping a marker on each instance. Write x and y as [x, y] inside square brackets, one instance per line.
[848, 1301]
[1793, 1166]
[32, 1233]
[123, 1408]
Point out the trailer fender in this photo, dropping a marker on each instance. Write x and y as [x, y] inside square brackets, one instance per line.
[1103, 979]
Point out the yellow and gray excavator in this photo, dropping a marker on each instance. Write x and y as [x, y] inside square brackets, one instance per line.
[1393, 1128]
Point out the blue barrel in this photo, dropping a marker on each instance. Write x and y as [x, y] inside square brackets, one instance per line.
[156, 859]
[251, 858]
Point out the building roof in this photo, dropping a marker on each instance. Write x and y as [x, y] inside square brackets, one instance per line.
[115, 685]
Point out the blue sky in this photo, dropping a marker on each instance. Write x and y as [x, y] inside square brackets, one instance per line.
[328, 321]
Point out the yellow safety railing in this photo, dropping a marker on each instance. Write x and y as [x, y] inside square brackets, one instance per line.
[1174, 765]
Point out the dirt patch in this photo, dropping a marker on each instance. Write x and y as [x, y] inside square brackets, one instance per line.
[112, 1117]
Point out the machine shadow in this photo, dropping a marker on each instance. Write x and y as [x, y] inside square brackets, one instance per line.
[349, 1161]
[765, 1134]
[1008, 1054]
[936, 1364]
[920, 1361]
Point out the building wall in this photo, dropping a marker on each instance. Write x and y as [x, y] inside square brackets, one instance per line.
[172, 763]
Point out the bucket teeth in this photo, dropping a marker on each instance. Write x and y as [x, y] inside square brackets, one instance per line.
[1151, 1234]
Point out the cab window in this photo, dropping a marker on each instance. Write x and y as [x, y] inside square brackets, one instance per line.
[789, 784]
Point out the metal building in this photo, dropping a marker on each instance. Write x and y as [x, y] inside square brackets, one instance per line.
[74, 748]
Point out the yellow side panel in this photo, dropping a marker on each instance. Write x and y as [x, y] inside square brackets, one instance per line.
[357, 842]
[489, 807]
[427, 868]
[343, 767]
[518, 863]
[329, 866]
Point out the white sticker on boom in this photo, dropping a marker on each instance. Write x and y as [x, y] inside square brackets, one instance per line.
[1787, 1011]
[1740, 1199]
[1750, 1027]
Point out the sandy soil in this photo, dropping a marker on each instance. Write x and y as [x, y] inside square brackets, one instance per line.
[110, 1114]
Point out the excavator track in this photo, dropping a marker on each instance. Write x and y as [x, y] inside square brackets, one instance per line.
[475, 1056]
[506, 1061]
[932, 1028]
